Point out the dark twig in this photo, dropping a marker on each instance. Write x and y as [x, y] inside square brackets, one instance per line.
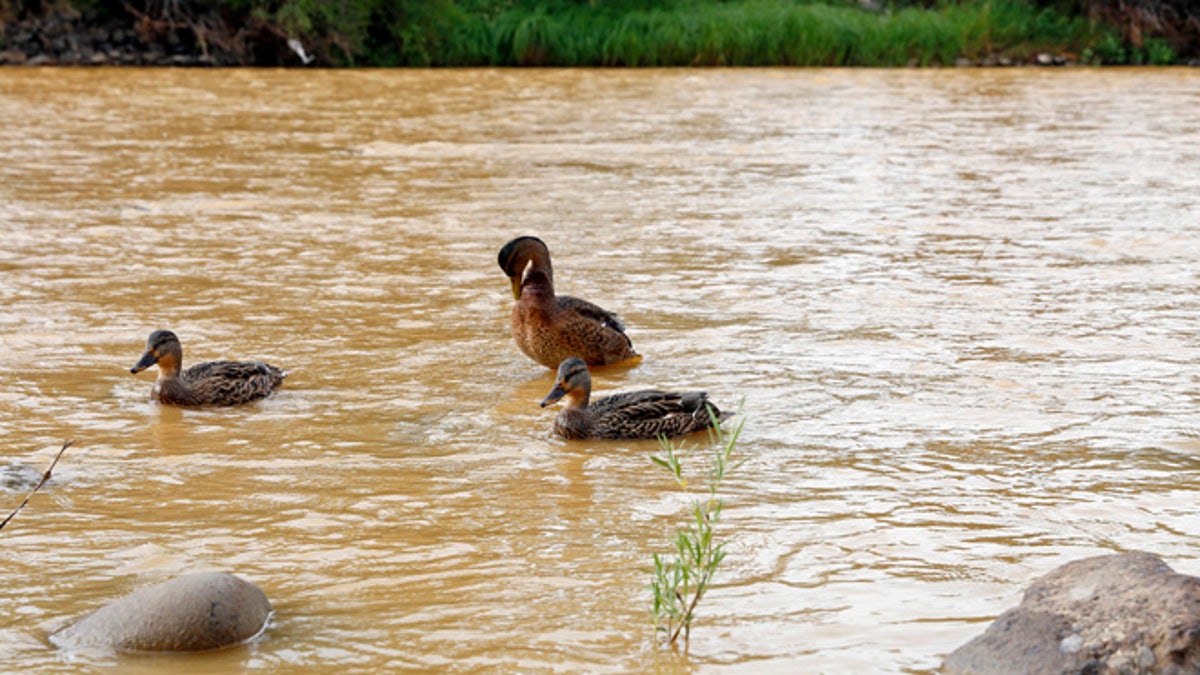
[45, 477]
[982, 251]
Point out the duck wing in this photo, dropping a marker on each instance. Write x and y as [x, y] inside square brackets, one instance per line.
[232, 370]
[592, 312]
[231, 382]
[651, 413]
[646, 404]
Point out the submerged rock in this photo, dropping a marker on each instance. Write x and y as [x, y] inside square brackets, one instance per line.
[195, 612]
[1127, 613]
[18, 477]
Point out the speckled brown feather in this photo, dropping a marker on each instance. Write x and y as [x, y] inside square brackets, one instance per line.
[550, 328]
[221, 383]
[210, 383]
[629, 415]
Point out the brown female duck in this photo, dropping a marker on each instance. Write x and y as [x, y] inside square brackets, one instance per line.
[550, 328]
[211, 383]
[631, 415]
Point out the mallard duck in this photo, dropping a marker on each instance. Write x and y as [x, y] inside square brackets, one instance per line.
[550, 328]
[211, 383]
[635, 414]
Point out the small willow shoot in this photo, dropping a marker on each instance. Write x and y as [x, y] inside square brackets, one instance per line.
[681, 579]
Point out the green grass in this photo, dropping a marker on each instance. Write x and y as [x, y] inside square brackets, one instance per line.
[753, 33]
[680, 580]
[630, 33]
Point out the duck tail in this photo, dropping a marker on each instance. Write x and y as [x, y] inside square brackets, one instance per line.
[715, 412]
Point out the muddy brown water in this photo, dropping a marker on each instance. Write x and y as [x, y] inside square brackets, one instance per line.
[960, 306]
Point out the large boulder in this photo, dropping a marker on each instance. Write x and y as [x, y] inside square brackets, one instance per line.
[195, 612]
[1127, 613]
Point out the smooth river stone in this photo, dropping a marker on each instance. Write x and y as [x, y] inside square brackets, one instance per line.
[1125, 613]
[195, 612]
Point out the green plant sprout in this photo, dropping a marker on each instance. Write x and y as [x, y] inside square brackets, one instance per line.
[681, 580]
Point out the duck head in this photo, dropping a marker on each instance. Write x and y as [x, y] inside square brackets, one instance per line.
[163, 349]
[572, 382]
[522, 255]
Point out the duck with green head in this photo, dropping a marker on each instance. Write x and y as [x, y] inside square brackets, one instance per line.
[630, 415]
[210, 383]
[550, 328]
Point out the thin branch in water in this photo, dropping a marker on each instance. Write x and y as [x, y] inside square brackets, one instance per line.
[45, 477]
[983, 250]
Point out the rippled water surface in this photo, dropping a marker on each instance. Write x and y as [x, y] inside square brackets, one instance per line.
[960, 305]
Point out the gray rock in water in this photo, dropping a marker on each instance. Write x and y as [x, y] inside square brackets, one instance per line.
[18, 477]
[1127, 613]
[195, 612]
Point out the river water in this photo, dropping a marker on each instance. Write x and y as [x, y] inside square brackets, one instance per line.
[960, 307]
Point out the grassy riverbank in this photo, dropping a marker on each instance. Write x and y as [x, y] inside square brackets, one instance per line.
[756, 32]
[591, 33]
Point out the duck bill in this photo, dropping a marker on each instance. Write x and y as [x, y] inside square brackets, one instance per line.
[143, 363]
[516, 287]
[556, 393]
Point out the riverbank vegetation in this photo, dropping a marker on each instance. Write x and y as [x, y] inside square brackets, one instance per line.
[601, 32]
